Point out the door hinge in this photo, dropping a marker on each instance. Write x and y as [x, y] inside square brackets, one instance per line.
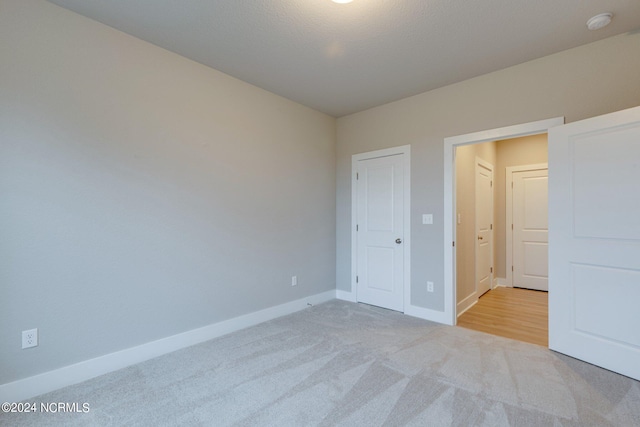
[512, 226]
[512, 268]
[356, 279]
[357, 176]
[454, 244]
[491, 269]
[357, 227]
[511, 184]
[491, 183]
[490, 226]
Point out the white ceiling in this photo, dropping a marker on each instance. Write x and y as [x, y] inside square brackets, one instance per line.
[341, 59]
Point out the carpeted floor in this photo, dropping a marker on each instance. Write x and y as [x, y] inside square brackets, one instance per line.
[349, 364]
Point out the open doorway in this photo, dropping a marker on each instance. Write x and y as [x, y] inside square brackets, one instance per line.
[503, 148]
[501, 236]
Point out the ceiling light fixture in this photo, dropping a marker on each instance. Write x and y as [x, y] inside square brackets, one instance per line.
[599, 21]
[342, 1]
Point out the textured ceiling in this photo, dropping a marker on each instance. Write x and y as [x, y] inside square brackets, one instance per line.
[344, 58]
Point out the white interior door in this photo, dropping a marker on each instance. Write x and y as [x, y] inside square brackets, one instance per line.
[530, 229]
[594, 235]
[484, 226]
[380, 224]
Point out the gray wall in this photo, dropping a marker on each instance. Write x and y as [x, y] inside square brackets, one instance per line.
[143, 194]
[587, 81]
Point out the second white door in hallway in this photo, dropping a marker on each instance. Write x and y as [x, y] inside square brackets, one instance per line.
[530, 229]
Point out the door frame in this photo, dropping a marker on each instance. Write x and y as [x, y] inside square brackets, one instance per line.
[450, 144]
[509, 214]
[405, 151]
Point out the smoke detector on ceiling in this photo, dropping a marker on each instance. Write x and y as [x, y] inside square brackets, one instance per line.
[599, 21]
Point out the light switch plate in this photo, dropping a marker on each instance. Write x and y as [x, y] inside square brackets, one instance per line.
[427, 218]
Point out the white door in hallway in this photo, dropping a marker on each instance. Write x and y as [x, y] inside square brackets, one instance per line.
[380, 224]
[530, 229]
[594, 241]
[484, 226]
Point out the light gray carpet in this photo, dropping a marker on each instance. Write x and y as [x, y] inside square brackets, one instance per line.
[349, 364]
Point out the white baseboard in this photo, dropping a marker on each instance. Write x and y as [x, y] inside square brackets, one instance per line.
[428, 314]
[48, 381]
[466, 304]
[411, 310]
[502, 282]
[346, 295]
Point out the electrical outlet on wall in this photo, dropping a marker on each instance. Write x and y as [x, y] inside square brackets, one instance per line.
[294, 280]
[429, 286]
[30, 338]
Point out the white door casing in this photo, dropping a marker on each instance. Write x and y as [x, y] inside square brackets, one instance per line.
[381, 230]
[529, 231]
[450, 144]
[484, 226]
[594, 241]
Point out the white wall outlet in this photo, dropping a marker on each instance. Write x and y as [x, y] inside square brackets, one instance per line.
[429, 286]
[30, 338]
[294, 280]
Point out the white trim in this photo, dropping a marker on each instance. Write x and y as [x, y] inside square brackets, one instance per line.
[426, 314]
[43, 383]
[345, 296]
[508, 132]
[509, 214]
[502, 283]
[466, 304]
[450, 144]
[405, 150]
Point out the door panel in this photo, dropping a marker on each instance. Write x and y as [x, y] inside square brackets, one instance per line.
[594, 228]
[380, 263]
[378, 180]
[380, 222]
[592, 309]
[484, 227]
[613, 216]
[530, 229]
[535, 256]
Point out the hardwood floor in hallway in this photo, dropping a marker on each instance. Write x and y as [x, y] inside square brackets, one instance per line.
[519, 314]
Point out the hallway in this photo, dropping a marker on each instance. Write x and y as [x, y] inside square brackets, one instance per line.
[520, 314]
